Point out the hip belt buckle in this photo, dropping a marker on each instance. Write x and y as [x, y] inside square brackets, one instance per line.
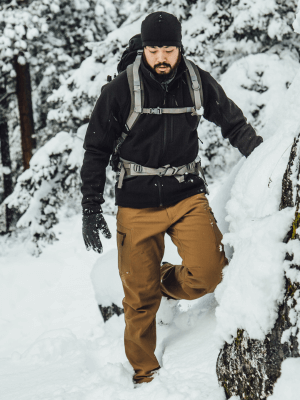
[137, 168]
[169, 171]
[156, 110]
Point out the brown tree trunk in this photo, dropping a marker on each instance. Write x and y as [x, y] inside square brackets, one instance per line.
[5, 155]
[25, 110]
[5, 213]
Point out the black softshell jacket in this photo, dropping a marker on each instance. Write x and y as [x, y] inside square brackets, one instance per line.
[156, 140]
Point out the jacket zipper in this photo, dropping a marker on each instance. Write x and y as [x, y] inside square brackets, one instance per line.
[165, 134]
[173, 103]
[165, 125]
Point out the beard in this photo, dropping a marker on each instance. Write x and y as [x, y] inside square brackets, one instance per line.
[163, 75]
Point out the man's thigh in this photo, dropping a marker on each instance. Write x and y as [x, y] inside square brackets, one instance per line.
[198, 240]
[140, 240]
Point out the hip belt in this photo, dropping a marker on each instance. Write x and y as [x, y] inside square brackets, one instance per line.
[129, 168]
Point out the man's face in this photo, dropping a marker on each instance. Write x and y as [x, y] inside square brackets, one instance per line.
[162, 60]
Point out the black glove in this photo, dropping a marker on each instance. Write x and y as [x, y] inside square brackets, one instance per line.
[91, 225]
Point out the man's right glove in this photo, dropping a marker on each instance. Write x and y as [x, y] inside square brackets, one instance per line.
[91, 225]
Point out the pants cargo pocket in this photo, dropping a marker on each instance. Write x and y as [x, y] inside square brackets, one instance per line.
[218, 235]
[124, 249]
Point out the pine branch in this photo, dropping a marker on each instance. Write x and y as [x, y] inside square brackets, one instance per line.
[6, 95]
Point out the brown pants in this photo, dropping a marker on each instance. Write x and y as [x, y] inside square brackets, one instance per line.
[140, 238]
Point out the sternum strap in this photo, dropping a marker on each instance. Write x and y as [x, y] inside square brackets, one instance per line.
[159, 110]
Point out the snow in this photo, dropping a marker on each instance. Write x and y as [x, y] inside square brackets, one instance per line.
[54, 8]
[32, 33]
[260, 84]
[253, 284]
[107, 285]
[5, 170]
[288, 385]
[296, 23]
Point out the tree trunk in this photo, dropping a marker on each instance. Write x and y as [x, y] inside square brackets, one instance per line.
[25, 110]
[249, 368]
[5, 156]
[6, 164]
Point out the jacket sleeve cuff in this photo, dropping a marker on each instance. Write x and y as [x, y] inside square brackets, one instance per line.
[92, 210]
[258, 142]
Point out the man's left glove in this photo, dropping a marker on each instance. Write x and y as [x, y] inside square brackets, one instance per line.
[91, 225]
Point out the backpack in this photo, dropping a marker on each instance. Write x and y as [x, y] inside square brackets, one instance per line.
[130, 53]
[130, 61]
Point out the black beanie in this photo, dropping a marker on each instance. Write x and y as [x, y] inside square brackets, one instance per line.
[161, 29]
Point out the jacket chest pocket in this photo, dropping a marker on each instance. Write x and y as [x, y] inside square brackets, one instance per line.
[124, 249]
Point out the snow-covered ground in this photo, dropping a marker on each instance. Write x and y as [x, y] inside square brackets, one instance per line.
[55, 345]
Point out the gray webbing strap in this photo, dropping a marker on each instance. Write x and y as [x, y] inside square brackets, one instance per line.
[120, 141]
[159, 110]
[121, 177]
[135, 90]
[129, 72]
[137, 83]
[196, 86]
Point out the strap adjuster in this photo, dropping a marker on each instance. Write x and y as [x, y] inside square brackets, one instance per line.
[190, 166]
[167, 171]
[156, 110]
[137, 168]
[175, 170]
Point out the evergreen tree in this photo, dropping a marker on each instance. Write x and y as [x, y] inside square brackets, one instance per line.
[237, 42]
[50, 37]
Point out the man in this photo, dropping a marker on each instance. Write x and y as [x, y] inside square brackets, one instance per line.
[154, 204]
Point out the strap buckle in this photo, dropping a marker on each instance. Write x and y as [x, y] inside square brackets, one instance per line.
[191, 165]
[175, 170]
[156, 110]
[167, 171]
[195, 85]
[137, 168]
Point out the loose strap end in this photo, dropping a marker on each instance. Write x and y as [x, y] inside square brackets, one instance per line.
[121, 177]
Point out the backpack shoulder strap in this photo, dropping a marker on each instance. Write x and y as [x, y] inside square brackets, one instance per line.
[136, 98]
[195, 84]
[136, 91]
[129, 71]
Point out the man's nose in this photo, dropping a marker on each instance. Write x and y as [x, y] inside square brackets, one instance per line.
[161, 57]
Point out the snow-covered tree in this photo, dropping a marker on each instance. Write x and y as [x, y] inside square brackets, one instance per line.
[52, 181]
[219, 36]
[237, 42]
[50, 188]
[63, 50]
[50, 37]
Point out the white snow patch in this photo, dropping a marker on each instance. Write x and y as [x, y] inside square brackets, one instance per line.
[296, 24]
[288, 384]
